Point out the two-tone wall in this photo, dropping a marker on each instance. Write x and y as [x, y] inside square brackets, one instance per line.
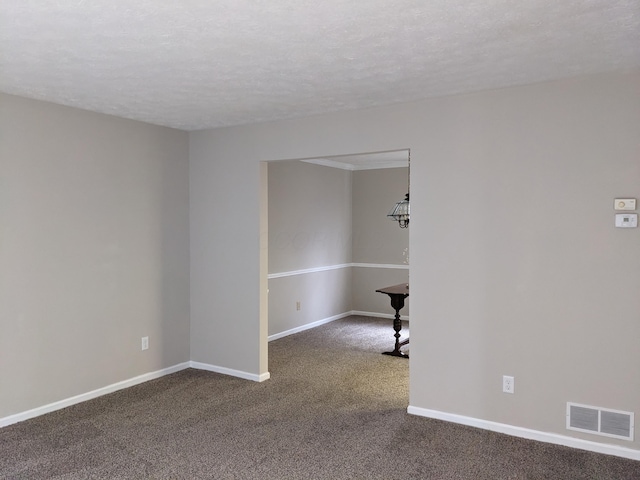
[381, 252]
[309, 244]
[330, 243]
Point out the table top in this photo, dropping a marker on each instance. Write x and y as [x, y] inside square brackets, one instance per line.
[400, 289]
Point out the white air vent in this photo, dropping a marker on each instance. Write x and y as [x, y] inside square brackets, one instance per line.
[600, 421]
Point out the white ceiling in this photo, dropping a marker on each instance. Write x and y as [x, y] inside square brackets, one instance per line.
[195, 64]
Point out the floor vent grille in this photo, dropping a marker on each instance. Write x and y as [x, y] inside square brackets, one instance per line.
[600, 421]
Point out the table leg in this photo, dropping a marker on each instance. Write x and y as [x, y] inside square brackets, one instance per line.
[397, 302]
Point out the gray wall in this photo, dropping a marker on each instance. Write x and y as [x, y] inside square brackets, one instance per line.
[309, 216]
[309, 228]
[377, 240]
[515, 265]
[93, 251]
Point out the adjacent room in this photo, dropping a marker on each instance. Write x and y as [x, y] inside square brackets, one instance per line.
[331, 243]
[192, 236]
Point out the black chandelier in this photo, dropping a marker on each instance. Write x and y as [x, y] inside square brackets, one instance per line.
[400, 212]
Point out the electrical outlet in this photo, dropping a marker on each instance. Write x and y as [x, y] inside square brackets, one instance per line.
[297, 305]
[508, 384]
[145, 343]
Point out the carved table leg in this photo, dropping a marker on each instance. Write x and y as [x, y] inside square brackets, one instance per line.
[397, 302]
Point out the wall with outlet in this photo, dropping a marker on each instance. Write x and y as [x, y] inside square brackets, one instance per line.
[322, 217]
[94, 251]
[517, 267]
[309, 229]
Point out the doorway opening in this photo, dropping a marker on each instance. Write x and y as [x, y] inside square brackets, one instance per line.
[327, 243]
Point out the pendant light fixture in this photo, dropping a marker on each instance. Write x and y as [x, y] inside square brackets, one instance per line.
[400, 212]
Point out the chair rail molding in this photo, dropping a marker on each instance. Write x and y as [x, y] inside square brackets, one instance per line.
[336, 267]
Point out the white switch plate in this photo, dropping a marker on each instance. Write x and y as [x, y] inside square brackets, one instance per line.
[626, 220]
[624, 204]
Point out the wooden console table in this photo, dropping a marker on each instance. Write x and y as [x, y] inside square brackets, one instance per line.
[397, 294]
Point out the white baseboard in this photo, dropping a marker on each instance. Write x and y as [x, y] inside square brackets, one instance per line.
[308, 326]
[378, 315]
[231, 372]
[67, 402]
[546, 437]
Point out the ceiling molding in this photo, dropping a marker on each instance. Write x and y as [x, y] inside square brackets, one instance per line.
[364, 161]
[351, 167]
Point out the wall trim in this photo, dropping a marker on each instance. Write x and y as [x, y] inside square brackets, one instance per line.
[307, 326]
[378, 315]
[527, 433]
[114, 387]
[308, 270]
[374, 161]
[381, 265]
[231, 372]
[336, 267]
[83, 397]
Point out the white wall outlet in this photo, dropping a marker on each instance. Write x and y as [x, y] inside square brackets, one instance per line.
[297, 305]
[508, 384]
[145, 343]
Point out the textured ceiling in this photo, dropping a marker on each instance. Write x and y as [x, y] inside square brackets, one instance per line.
[195, 64]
